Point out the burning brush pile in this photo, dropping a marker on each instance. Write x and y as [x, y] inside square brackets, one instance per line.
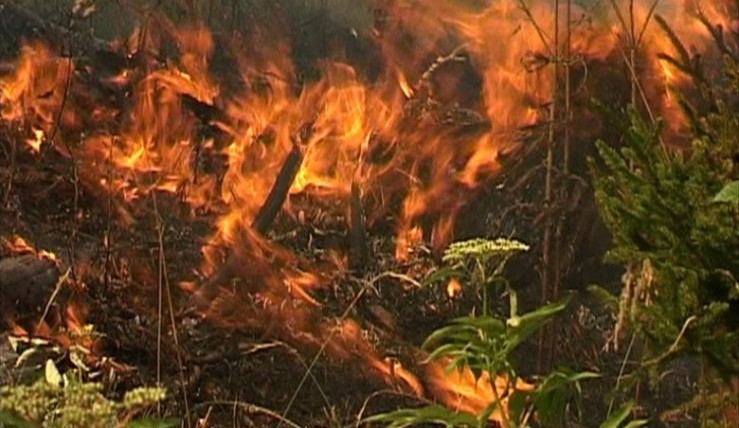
[187, 205]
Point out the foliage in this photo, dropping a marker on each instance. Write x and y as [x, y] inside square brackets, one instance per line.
[681, 288]
[479, 262]
[619, 418]
[60, 401]
[485, 344]
[730, 193]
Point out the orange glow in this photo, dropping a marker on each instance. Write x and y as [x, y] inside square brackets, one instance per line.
[459, 390]
[34, 89]
[17, 245]
[35, 142]
[72, 332]
[389, 134]
[453, 288]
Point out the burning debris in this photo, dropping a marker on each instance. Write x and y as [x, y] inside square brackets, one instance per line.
[178, 124]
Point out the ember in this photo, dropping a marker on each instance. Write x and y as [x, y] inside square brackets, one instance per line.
[277, 193]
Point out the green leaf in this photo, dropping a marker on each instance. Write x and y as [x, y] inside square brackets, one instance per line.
[729, 194]
[517, 404]
[443, 275]
[620, 417]
[522, 327]
[154, 423]
[514, 304]
[11, 419]
[555, 391]
[605, 297]
[430, 414]
[683, 59]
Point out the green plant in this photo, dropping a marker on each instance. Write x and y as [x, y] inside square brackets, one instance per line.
[479, 262]
[63, 402]
[485, 344]
[729, 194]
[618, 419]
[675, 223]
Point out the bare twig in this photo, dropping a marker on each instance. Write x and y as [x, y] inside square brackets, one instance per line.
[542, 36]
[57, 288]
[320, 352]
[165, 286]
[11, 172]
[248, 408]
[372, 396]
[367, 286]
[359, 250]
[546, 260]
[425, 80]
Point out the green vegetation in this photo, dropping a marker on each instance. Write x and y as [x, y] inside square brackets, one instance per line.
[65, 402]
[485, 344]
[675, 224]
[674, 216]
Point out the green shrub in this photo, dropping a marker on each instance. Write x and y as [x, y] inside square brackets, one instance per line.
[63, 402]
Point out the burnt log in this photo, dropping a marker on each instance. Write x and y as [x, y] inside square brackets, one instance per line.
[358, 247]
[277, 195]
[261, 223]
[27, 282]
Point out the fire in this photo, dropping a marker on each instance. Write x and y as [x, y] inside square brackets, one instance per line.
[390, 136]
[36, 141]
[453, 288]
[73, 332]
[17, 245]
[461, 391]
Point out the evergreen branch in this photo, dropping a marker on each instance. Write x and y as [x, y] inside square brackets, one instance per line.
[684, 56]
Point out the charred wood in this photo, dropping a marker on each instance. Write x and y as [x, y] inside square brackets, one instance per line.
[26, 282]
[209, 115]
[262, 222]
[359, 249]
[273, 204]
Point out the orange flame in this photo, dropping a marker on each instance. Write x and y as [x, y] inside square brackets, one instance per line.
[453, 288]
[390, 136]
[36, 141]
[461, 391]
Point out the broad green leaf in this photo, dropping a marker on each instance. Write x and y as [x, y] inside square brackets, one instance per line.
[729, 194]
[619, 417]
[563, 377]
